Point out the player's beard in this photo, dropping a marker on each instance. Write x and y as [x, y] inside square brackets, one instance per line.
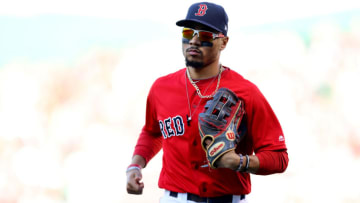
[194, 64]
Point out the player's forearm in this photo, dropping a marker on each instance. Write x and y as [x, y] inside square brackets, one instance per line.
[148, 145]
[251, 165]
[139, 160]
[232, 161]
[271, 162]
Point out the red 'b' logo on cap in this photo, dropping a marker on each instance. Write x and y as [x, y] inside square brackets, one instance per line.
[202, 10]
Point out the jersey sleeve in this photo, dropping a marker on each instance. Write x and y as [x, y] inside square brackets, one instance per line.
[149, 142]
[267, 135]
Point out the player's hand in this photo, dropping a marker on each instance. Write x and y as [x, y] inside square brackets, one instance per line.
[228, 160]
[134, 184]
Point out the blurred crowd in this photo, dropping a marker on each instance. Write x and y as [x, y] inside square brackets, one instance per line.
[67, 133]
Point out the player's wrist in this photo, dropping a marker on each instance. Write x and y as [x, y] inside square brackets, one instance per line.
[246, 169]
[133, 167]
[240, 166]
[243, 163]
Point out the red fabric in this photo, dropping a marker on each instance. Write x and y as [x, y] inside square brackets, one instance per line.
[184, 161]
[272, 162]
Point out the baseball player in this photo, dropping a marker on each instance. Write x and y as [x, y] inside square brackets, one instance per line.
[214, 126]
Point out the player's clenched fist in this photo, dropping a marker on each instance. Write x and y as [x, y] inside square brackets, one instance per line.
[134, 184]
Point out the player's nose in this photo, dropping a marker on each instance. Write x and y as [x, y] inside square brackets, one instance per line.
[195, 40]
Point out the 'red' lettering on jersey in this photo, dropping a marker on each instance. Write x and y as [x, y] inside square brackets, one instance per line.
[202, 10]
[172, 127]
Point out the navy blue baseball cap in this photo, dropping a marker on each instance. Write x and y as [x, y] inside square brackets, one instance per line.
[208, 14]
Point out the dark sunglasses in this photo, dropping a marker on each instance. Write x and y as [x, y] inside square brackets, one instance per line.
[204, 36]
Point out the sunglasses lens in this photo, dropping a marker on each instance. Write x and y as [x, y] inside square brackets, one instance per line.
[188, 33]
[205, 36]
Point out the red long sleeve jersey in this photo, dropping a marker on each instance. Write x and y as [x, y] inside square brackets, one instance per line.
[185, 166]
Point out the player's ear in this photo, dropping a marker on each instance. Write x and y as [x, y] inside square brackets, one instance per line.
[224, 42]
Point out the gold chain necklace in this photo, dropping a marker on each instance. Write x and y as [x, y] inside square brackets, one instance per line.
[197, 88]
[188, 118]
